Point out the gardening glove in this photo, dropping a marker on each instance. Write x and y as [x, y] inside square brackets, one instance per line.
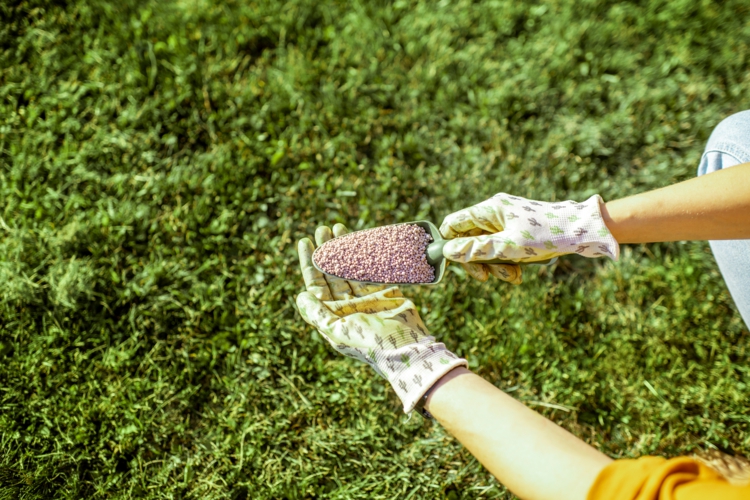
[374, 324]
[521, 230]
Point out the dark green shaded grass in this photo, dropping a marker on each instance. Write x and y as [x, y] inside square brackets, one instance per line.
[158, 161]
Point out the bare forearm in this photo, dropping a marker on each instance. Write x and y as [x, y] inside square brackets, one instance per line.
[715, 206]
[526, 452]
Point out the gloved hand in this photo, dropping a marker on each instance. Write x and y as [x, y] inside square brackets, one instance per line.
[517, 229]
[373, 324]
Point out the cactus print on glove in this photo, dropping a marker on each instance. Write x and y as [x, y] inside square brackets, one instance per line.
[521, 230]
[373, 324]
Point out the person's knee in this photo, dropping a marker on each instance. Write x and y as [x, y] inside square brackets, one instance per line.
[734, 130]
[728, 145]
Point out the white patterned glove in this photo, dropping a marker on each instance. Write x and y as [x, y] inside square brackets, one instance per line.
[521, 230]
[373, 324]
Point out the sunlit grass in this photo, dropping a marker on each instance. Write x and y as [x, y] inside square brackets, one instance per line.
[159, 160]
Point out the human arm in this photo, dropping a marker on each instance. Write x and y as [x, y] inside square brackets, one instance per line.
[537, 459]
[378, 326]
[531, 455]
[714, 206]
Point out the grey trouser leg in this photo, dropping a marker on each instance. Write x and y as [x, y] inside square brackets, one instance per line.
[729, 145]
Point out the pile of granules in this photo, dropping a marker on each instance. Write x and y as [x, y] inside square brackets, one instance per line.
[388, 254]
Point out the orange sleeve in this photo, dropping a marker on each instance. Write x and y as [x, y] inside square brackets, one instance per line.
[656, 478]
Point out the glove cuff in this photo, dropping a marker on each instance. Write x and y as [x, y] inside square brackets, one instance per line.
[581, 229]
[414, 368]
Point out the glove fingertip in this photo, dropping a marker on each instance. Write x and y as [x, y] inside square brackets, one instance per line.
[476, 271]
[299, 300]
[509, 273]
[323, 234]
[446, 230]
[339, 230]
[519, 277]
[304, 245]
[449, 228]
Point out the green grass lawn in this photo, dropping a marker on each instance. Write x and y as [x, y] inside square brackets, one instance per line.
[159, 160]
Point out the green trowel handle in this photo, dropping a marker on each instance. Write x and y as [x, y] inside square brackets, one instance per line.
[435, 254]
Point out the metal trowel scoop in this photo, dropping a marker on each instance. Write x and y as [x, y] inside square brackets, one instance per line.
[435, 256]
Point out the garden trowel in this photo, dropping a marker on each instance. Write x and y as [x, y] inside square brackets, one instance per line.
[435, 257]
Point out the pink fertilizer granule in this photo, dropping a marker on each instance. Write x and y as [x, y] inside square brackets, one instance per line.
[388, 254]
